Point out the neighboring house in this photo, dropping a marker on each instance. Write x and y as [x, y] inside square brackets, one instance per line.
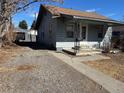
[25, 35]
[32, 34]
[20, 34]
[66, 28]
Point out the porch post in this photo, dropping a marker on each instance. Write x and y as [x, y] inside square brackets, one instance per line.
[87, 32]
[80, 30]
[77, 42]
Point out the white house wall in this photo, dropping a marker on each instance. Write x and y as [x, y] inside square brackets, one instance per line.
[89, 44]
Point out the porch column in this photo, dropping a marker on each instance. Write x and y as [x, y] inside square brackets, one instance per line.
[77, 32]
[80, 29]
[87, 27]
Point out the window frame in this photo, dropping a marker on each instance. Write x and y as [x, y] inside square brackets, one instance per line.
[70, 31]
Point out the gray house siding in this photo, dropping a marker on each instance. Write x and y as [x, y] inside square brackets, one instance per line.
[92, 35]
[61, 37]
[47, 31]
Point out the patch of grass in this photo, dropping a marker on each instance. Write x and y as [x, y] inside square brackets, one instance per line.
[25, 67]
[18, 68]
[113, 67]
[5, 69]
[7, 54]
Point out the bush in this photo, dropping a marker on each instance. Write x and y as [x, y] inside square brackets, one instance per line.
[8, 38]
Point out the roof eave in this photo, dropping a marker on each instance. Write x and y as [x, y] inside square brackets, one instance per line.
[112, 22]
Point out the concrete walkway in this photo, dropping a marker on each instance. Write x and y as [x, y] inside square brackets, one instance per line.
[89, 58]
[110, 84]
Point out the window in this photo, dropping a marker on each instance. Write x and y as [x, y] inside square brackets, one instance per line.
[70, 31]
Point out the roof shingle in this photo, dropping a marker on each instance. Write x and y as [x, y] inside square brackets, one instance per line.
[58, 11]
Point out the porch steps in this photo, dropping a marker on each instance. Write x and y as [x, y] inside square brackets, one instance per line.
[82, 52]
[87, 52]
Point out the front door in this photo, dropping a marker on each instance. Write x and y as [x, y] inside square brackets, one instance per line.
[84, 32]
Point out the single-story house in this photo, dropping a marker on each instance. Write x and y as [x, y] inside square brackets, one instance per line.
[20, 34]
[25, 35]
[32, 34]
[63, 28]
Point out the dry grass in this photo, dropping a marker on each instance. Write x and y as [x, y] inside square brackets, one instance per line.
[26, 67]
[113, 67]
[7, 53]
[6, 69]
[18, 68]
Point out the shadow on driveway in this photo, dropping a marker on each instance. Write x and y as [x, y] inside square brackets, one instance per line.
[34, 45]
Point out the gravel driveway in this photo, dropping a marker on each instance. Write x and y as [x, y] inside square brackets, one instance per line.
[37, 71]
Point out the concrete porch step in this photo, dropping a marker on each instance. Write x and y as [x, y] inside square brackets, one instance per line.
[82, 52]
[91, 52]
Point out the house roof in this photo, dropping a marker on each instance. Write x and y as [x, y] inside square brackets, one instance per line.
[58, 11]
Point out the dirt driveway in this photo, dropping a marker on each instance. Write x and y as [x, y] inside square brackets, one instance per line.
[37, 71]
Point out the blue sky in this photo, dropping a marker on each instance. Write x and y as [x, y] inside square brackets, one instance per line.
[110, 8]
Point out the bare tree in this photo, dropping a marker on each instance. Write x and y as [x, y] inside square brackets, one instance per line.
[11, 7]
